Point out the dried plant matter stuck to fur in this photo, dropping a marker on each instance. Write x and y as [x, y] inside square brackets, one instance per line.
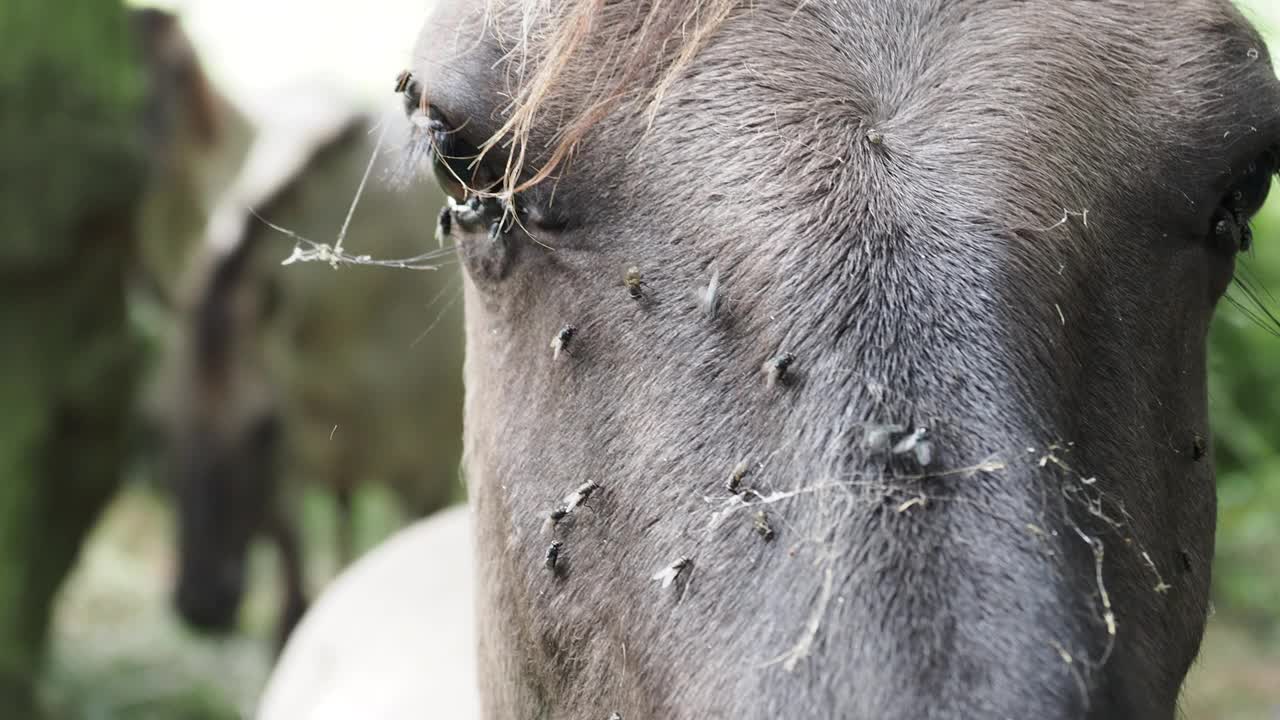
[580, 494]
[709, 297]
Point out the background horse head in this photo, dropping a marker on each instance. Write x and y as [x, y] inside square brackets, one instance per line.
[283, 376]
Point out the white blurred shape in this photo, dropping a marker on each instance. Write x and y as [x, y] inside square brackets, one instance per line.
[253, 47]
[392, 638]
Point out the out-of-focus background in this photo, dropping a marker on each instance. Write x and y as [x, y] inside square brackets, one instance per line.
[136, 581]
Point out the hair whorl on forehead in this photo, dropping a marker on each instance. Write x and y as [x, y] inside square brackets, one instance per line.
[573, 62]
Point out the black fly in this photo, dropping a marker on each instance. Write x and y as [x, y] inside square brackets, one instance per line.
[634, 282]
[776, 369]
[560, 343]
[551, 561]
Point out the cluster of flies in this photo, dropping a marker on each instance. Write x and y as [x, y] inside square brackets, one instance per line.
[777, 372]
[552, 559]
[735, 486]
[894, 439]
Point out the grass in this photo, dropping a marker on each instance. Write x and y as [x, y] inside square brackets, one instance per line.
[120, 653]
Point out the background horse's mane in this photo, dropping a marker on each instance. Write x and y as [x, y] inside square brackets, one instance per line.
[570, 63]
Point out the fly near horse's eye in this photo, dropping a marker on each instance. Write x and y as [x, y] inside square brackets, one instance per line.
[410, 89]
[1229, 229]
[1229, 233]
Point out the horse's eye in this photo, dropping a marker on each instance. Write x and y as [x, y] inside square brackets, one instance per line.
[453, 159]
[1230, 231]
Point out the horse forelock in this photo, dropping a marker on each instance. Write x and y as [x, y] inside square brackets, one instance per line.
[570, 63]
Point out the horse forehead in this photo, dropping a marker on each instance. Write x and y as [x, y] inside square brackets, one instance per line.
[1020, 72]
[1072, 103]
[919, 56]
[1021, 105]
[459, 62]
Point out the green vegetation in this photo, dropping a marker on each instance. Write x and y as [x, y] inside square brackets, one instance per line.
[1244, 395]
[1244, 401]
[72, 175]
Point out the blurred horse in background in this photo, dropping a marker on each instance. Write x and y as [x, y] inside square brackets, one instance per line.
[276, 377]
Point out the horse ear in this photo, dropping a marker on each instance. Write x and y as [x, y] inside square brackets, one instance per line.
[204, 106]
[172, 54]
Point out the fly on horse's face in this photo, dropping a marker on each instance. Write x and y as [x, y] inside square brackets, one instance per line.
[987, 237]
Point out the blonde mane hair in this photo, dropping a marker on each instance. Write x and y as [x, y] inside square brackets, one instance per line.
[570, 63]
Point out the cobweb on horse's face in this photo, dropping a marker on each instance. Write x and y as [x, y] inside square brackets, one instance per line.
[336, 255]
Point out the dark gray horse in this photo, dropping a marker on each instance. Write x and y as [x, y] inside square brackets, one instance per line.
[842, 358]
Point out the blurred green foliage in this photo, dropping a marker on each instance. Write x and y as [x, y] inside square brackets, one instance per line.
[1244, 400]
[78, 94]
[71, 171]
